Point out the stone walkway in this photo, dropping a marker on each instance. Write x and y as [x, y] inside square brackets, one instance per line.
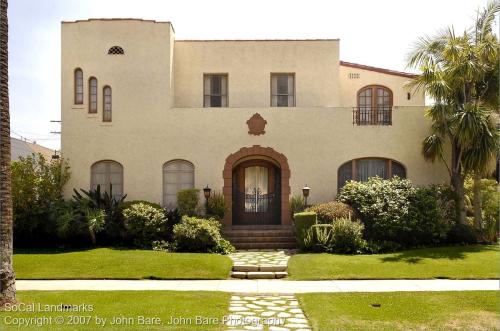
[260, 264]
[259, 286]
[266, 312]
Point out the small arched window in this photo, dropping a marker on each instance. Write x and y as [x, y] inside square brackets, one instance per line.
[177, 175]
[107, 104]
[92, 95]
[374, 106]
[78, 86]
[362, 169]
[107, 172]
[115, 50]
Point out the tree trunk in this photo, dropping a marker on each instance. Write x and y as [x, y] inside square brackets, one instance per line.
[457, 182]
[7, 277]
[478, 204]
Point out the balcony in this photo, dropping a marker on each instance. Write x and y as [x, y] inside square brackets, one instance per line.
[372, 115]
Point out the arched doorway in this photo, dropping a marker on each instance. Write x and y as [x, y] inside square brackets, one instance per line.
[256, 187]
[256, 193]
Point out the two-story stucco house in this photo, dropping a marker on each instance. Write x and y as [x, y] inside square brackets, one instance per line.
[254, 119]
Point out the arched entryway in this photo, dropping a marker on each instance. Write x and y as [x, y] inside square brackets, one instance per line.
[256, 187]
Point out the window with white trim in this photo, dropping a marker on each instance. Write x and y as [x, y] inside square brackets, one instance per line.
[282, 90]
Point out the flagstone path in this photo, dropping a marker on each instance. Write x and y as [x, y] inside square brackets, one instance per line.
[260, 264]
[266, 312]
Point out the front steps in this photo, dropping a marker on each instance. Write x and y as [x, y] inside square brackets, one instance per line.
[263, 264]
[261, 236]
[243, 271]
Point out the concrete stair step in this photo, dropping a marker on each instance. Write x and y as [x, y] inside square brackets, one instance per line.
[265, 245]
[269, 234]
[258, 227]
[235, 240]
[258, 274]
[254, 268]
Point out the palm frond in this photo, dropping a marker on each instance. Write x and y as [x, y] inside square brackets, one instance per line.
[432, 147]
[485, 20]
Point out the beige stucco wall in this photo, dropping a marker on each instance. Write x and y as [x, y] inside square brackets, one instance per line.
[249, 65]
[316, 137]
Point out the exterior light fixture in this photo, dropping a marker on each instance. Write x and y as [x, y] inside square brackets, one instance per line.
[305, 192]
[206, 193]
[55, 156]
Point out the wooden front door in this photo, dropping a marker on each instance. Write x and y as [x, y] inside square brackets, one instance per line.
[256, 193]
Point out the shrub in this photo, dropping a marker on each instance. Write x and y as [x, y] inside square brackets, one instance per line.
[395, 211]
[129, 203]
[297, 204]
[430, 216]
[145, 224]
[329, 211]
[96, 219]
[37, 199]
[318, 238]
[462, 234]
[114, 230]
[188, 200]
[200, 235]
[173, 217]
[490, 206]
[72, 227]
[347, 236]
[216, 206]
[303, 222]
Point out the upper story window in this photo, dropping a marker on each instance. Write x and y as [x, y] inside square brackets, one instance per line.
[282, 90]
[374, 106]
[215, 90]
[107, 103]
[362, 169]
[116, 50]
[92, 95]
[78, 86]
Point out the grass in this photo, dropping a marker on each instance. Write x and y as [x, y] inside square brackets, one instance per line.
[458, 262]
[403, 311]
[108, 263]
[126, 305]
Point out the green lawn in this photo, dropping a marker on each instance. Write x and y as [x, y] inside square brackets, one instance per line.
[403, 311]
[458, 262]
[108, 263]
[125, 306]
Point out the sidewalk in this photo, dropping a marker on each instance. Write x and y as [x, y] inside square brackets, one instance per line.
[261, 285]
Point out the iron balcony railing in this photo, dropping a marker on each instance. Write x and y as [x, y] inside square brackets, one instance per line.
[372, 115]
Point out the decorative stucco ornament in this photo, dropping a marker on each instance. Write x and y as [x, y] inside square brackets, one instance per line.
[256, 124]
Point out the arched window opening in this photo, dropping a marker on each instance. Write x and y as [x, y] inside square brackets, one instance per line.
[92, 95]
[362, 169]
[107, 104]
[78, 77]
[177, 175]
[107, 172]
[374, 106]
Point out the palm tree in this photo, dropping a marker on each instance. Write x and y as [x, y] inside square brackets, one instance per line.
[458, 72]
[7, 276]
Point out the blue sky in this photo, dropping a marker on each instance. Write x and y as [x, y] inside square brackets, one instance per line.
[377, 33]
